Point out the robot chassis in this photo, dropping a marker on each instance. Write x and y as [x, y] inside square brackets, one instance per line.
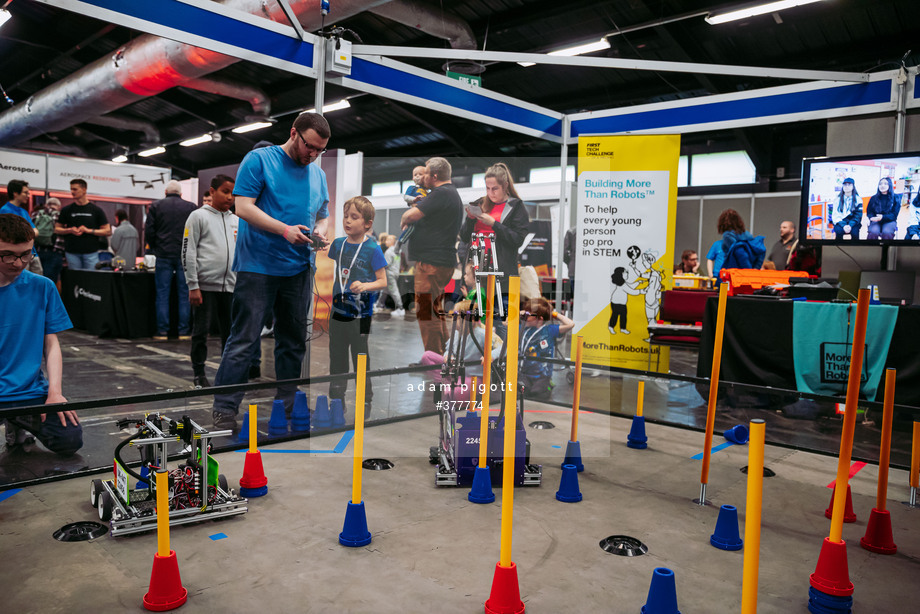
[457, 452]
[197, 491]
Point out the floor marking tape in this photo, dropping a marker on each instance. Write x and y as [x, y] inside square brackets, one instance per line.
[715, 449]
[9, 493]
[854, 469]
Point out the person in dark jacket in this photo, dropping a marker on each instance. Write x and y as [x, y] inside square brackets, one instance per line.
[882, 211]
[503, 216]
[844, 213]
[163, 232]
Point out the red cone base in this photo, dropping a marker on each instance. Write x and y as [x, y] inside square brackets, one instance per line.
[848, 514]
[832, 576]
[506, 595]
[878, 536]
[253, 473]
[166, 590]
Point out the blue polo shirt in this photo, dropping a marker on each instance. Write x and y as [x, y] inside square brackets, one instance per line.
[288, 192]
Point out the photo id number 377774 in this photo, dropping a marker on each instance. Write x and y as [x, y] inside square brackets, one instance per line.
[458, 405]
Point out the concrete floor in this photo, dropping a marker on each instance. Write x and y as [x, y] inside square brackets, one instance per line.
[433, 551]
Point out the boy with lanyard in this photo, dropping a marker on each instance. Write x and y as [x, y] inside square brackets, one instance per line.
[31, 302]
[360, 271]
[538, 340]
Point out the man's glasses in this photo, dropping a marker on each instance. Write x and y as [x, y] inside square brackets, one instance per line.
[308, 146]
[12, 258]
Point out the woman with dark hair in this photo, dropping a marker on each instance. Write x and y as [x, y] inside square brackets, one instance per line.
[844, 214]
[882, 211]
[748, 254]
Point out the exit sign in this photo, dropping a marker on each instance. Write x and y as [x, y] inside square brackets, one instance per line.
[468, 79]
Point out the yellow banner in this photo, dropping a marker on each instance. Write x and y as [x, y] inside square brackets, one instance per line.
[626, 211]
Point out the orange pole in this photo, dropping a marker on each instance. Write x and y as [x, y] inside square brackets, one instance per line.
[849, 417]
[359, 430]
[576, 400]
[511, 382]
[486, 377]
[915, 458]
[885, 452]
[713, 390]
[640, 398]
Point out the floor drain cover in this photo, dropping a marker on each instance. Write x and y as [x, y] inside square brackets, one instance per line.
[767, 472]
[80, 532]
[623, 545]
[542, 424]
[377, 464]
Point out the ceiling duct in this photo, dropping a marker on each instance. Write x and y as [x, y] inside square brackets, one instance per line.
[430, 19]
[144, 67]
[151, 134]
[261, 105]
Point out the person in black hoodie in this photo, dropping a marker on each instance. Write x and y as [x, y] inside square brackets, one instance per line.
[502, 214]
[882, 211]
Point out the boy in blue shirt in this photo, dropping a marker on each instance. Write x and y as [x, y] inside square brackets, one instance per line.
[538, 340]
[33, 306]
[360, 272]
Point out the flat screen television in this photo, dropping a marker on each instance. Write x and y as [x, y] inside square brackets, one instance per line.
[861, 200]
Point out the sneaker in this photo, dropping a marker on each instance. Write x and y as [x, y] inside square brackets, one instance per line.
[160, 337]
[201, 381]
[185, 337]
[612, 330]
[398, 313]
[268, 332]
[255, 372]
[223, 420]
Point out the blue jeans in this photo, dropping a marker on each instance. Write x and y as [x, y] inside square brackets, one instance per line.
[63, 440]
[82, 262]
[256, 296]
[162, 277]
[52, 262]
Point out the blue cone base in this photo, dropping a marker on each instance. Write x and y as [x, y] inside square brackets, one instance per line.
[278, 424]
[722, 544]
[251, 493]
[568, 487]
[636, 438]
[822, 603]
[573, 456]
[355, 533]
[482, 486]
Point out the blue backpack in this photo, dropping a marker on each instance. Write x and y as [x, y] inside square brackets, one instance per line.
[746, 252]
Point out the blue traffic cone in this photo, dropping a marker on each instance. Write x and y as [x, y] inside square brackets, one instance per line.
[568, 487]
[300, 415]
[573, 456]
[726, 536]
[322, 417]
[338, 413]
[278, 424]
[243, 435]
[822, 603]
[482, 486]
[636, 438]
[662, 594]
[355, 533]
[737, 434]
[145, 471]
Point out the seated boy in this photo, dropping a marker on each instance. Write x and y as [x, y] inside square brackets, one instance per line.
[31, 312]
[360, 271]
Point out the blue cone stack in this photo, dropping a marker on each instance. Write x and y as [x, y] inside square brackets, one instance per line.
[338, 413]
[278, 424]
[300, 415]
[322, 417]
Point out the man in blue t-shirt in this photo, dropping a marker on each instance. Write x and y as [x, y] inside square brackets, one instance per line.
[18, 192]
[360, 272]
[281, 198]
[31, 313]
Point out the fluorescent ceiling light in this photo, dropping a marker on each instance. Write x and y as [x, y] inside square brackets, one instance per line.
[751, 11]
[4, 16]
[151, 152]
[577, 50]
[120, 159]
[198, 140]
[251, 127]
[332, 106]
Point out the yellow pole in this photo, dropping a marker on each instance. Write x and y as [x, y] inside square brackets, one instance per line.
[511, 375]
[253, 429]
[576, 400]
[162, 513]
[714, 385]
[359, 430]
[486, 377]
[849, 417]
[752, 518]
[640, 399]
[915, 458]
[885, 452]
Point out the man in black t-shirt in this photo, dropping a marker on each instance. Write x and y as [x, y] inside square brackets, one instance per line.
[432, 246]
[81, 223]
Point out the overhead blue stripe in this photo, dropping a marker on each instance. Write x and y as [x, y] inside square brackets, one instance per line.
[390, 78]
[219, 28]
[845, 96]
[715, 449]
[9, 493]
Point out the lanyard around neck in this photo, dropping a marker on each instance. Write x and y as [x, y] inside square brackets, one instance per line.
[350, 266]
[527, 341]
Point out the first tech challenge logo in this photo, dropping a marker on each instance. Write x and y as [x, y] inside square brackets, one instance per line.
[835, 363]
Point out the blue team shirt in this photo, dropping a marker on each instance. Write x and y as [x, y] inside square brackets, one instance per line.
[288, 192]
[717, 255]
[537, 343]
[30, 308]
[370, 260]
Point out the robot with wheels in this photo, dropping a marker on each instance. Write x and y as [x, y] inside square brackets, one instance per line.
[197, 489]
[457, 452]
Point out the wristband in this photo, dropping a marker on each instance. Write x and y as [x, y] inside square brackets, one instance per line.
[286, 229]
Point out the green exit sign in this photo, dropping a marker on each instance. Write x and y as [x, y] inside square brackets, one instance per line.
[468, 79]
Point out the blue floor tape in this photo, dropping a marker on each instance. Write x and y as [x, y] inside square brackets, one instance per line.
[9, 493]
[347, 436]
[715, 449]
[218, 536]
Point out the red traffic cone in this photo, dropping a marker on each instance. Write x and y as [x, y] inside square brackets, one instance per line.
[848, 514]
[506, 594]
[253, 483]
[166, 590]
[878, 537]
[832, 575]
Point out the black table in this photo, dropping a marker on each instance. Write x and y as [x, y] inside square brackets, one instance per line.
[757, 346]
[110, 303]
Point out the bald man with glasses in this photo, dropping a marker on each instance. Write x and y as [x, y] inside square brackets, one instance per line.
[281, 199]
